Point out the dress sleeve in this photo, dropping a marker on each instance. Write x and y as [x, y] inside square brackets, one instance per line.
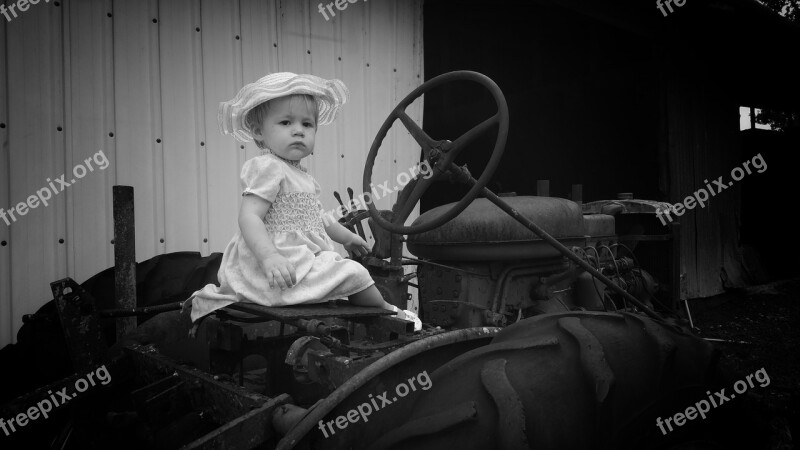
[262, 176]
[317, 188]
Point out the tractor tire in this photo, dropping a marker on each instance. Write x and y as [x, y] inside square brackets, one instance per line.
[576, 380]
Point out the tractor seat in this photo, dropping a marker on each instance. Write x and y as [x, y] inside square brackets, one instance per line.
[484, 232]
[259, 313]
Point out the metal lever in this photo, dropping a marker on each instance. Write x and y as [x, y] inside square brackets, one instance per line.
[338, 198]
[358, 224]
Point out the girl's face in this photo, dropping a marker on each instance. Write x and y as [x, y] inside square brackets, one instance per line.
[289, 128]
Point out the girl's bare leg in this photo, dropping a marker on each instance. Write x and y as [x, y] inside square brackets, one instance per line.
[372, 297]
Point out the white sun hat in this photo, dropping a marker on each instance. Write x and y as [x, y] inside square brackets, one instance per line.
[330, 96]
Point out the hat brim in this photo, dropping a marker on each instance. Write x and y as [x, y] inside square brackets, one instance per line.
[329, 94]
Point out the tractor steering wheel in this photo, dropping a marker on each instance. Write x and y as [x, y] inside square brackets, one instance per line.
[439, 154]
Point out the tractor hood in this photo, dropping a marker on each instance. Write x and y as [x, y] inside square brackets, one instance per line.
[484, 232]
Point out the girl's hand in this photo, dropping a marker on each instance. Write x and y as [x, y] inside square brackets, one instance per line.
[356, 245]
[279, 271]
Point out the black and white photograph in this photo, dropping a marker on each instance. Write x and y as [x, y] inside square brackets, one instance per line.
[399, 224]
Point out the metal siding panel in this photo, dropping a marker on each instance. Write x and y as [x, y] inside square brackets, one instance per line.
[110, 144]
[408, 63]
[221, 78]
[200, 131]
[156, 113]
[36, 148]
[325, 44]
[137, 97]
[89, 121]
[380, 26]
[259, 19]
[179, 141]
[292, 56]
[6, 326]
[258, 54]
[119, 81]
[355, 136]
[406, 78]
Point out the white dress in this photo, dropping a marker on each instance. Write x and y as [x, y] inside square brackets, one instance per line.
[294, 221]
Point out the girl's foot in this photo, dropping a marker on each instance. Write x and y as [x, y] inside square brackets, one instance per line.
[408, 315]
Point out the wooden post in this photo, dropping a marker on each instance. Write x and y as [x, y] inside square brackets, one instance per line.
[577, 193]
[124, 256]
[675, 266]
[543, 188]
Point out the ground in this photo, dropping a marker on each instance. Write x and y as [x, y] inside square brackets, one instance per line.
[760, 328]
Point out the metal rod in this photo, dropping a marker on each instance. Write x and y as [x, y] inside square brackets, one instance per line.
[415, 261]
[727, 341]
[688, 313]
[465, 177]
[128, 312]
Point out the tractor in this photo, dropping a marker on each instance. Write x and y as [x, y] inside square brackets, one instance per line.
[540, 330]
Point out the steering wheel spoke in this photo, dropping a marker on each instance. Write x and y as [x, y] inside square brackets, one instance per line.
[416, 131]
[463, 141]
[439, 154]
[408, 203]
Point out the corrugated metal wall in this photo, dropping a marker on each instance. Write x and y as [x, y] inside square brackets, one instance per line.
[141, 81]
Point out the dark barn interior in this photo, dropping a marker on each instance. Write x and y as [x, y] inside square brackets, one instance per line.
[582, 96]
[613, 98]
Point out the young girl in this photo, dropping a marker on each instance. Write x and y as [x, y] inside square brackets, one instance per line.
[282, 254]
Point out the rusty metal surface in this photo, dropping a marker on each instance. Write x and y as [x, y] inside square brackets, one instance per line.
[333, 371]
[285, 313]
[392, 325]
[245, 432]
[491, 196]
[426, 354]
[226, 400]
[124, 256]
[22, 403]
[624, 206]
[79, 322]
[440, 284]
[245, 416]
